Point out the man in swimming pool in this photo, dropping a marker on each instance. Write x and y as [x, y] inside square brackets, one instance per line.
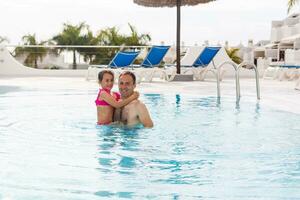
[136, 111]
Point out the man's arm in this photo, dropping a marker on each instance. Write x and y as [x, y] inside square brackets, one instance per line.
[144, 116]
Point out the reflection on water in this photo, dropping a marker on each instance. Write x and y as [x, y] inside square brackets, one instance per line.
[114, 138]
[126, 195]
[154, 99]
[193, 142]
[199, 148]
[177, 100]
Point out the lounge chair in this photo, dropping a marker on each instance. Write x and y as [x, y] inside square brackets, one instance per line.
[200, 65]
[272, 71]
[150, 64]
[122, 59]
[287, 69]
[191, 55]
[289, 72]
[155, 56]
[186, 61]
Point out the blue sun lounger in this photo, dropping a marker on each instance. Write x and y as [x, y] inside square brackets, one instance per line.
[155, 56]
[153, 59]
[200, 65]
[288, 71]
[290, 66]
[206, 56]
[122, 59]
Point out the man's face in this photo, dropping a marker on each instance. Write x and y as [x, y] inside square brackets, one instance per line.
[126, 86]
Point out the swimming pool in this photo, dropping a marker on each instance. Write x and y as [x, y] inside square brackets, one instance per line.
[50, 148]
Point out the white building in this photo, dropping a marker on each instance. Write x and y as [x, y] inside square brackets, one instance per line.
[285, 36]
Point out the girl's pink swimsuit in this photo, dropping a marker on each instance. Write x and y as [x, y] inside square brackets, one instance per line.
[104, 103]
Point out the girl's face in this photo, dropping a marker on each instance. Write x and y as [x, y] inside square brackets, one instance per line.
[107, 81]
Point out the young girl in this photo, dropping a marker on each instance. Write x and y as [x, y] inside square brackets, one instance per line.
[106, 100]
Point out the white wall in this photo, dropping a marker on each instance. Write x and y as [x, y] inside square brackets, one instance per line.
[9, 66]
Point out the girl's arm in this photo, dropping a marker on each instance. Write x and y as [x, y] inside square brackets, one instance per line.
[118, 104]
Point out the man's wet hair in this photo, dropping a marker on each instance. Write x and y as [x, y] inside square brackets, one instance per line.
[101, 74]
[130, 74]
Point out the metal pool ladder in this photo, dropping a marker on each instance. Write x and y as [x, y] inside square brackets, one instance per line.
[237, 78]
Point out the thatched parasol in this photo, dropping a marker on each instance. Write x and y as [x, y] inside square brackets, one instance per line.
[172, 3]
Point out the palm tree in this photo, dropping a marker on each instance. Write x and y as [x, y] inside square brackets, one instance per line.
[72, 35]
[111, 36]
[232, 53]
[32, 53]
[89, 53]
[136, 39]
[291, 4]
[108, 37]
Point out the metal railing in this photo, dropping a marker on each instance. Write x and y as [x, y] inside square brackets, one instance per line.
[237, 78]
[85, 54]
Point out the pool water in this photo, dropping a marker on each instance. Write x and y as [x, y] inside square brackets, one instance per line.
[200, 148]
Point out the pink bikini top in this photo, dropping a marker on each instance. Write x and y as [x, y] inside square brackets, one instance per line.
[104, 103]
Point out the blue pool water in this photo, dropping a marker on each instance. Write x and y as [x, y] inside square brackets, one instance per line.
[50, 148]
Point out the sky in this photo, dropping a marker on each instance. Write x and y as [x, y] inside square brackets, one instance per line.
[234, 21]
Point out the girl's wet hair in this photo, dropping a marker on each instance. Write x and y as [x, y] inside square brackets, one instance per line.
[101, 74]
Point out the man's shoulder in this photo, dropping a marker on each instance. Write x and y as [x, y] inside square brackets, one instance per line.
[141, 106]
[140, 103]
[136, 103]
